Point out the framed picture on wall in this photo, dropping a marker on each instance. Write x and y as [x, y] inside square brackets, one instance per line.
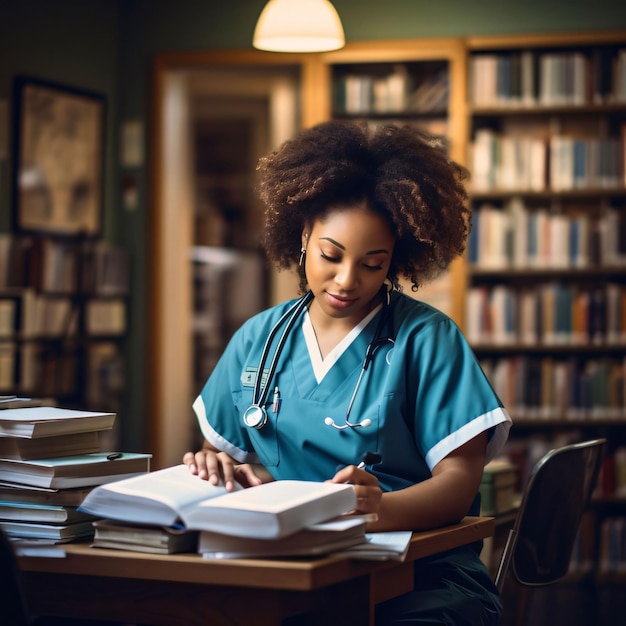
[59, 158]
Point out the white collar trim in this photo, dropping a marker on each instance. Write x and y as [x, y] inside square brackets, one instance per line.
[321, 366]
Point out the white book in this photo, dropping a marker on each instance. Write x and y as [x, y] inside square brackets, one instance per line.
[502, 315]
[483, 160]
[509, 167]
[173, 496]
[558, 252]
[483, 88]
[67, 472]
[528, 316]
[537, 164]
[475, 315]
[46, 421]
[318, 539]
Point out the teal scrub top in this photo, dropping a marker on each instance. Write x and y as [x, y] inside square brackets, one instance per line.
[425, 396]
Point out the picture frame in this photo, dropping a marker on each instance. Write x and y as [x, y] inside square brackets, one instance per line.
[59, 158]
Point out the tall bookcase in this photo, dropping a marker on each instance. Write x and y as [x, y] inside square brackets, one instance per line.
[63, 318]
[416, 82]
[546, 262]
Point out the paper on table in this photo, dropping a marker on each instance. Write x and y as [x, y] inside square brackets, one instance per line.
[381, 546]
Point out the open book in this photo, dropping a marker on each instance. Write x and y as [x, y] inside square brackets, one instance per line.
[173, 496]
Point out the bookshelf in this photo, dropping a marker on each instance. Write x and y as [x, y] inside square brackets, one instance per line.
[545, 306]
[415, 82]
[63, 309]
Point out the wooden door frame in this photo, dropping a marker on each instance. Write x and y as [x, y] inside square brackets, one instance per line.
[163, 396]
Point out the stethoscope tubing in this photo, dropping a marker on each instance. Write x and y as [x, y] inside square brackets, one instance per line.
[255, 416]
[259, 396]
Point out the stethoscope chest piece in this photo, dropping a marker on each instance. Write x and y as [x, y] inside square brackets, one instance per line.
[255, 416]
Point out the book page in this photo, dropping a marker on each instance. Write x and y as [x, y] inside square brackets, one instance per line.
[45, 413]
[282, 495]
[174, 486]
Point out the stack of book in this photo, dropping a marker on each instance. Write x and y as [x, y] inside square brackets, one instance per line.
[171, 510]
[50, 458]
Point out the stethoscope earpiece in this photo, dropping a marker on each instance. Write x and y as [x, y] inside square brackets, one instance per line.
[329, 421]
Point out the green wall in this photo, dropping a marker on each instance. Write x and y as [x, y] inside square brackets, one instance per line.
[108, 46]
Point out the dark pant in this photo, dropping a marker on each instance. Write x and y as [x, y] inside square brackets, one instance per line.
[451, 589]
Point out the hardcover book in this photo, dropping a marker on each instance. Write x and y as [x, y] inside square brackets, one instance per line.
[142, 538]
[74, 471]
[47, 513]
[46, 421]
[49, 447]
[37, 530]
[11, 492]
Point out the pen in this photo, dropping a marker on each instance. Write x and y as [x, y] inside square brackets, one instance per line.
[276, 402]
[369, 458]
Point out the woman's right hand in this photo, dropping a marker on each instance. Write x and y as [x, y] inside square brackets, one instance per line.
[215, 466]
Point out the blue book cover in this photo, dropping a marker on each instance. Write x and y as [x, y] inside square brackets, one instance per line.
[472, 240]
[581, 178]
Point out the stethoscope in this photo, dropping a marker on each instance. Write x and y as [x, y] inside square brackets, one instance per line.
[255, 416]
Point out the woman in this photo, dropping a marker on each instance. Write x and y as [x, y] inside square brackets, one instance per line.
[357, 366]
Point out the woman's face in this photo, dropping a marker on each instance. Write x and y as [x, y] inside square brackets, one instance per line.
[348, 253]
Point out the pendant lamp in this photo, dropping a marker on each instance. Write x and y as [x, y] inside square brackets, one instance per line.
[298, 26]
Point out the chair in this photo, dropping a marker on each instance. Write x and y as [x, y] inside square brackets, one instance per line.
[539, 546]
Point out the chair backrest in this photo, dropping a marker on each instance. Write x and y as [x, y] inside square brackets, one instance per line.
[540, 544]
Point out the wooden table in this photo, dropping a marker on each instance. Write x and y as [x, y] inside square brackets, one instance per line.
[171, 590]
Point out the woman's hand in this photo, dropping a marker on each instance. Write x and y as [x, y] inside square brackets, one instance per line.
[368, 492]
[214, 466]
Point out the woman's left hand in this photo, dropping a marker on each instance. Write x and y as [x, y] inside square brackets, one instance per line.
[368, 492]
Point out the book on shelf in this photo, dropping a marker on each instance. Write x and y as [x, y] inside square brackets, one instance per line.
[49, 447]
[49, 513]
[8, 360]
[39, 530]
[174, 496]
[118, 535]
[315, 540]
[46, 421]
[105, 316]
[105, 269]
[75, 471]
[547, 388]
[8, 316]
[498, 487]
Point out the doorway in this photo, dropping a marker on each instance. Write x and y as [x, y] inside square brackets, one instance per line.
[214, 117]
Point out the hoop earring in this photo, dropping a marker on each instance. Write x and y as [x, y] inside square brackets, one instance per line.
[302, 255]
[388, 286]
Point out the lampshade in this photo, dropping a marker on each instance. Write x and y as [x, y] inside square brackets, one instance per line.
[298, 26]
